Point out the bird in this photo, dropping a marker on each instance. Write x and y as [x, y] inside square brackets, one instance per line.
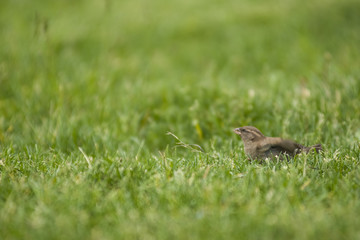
[259, 147]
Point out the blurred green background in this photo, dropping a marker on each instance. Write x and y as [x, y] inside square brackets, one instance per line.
[71, 71]
[113, 77]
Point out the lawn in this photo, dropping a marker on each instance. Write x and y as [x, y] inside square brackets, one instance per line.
[116, 119]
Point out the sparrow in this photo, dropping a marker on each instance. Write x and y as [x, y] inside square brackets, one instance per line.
[259, 147]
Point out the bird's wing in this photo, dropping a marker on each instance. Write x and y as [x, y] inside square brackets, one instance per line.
[279, 145]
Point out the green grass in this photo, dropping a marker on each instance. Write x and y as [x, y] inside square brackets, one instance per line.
[90, 89]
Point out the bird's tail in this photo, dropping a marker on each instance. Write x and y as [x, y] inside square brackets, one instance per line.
[316, 147]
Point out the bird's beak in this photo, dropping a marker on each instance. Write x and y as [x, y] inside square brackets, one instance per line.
[237, 131]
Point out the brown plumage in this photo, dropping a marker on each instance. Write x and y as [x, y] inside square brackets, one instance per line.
[259, 147]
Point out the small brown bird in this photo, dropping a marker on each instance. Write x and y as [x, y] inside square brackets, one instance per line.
[259, 147]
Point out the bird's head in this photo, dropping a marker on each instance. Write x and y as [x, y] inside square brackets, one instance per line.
[249, 133]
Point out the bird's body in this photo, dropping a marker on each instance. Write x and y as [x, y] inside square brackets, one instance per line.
[258, 146]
